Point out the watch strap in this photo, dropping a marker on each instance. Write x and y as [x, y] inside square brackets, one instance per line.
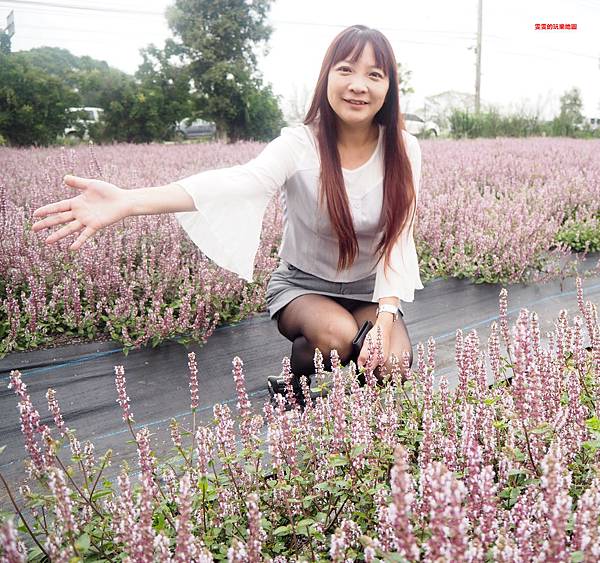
[387, 308]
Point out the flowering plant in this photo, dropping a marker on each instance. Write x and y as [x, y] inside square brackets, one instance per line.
[513, 209]
[504, 467]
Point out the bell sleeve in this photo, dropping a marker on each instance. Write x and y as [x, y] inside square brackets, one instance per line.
[231, 202]
[402, 276]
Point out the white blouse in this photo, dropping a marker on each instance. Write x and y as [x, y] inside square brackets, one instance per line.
[231, 202]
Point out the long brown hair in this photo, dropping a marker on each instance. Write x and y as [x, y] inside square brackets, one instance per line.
[398, 190]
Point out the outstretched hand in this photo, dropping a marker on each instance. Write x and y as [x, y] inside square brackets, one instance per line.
[98, 205]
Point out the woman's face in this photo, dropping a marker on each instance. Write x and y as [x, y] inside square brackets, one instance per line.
[356, 91]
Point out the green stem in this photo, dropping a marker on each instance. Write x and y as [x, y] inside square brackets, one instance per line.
[193, 434]
[533, 464]
[106, 456]
[330, 525]
[22, 517]
[582, 380]
[154, 477]
[88, 501]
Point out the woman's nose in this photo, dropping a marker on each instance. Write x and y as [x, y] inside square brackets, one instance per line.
[358, 85]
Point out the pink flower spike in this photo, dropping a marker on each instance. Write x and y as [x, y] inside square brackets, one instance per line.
[186, 548]
[14, 550]
[54, 408]
[193, 379]
[30, 422]
[123, 399]
[256, 535]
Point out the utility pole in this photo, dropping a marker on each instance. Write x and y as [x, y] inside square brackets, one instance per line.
[6, 34]
[478, 71]
[10, 24]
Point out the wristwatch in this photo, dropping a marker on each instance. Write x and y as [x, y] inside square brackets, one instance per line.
[386, 308]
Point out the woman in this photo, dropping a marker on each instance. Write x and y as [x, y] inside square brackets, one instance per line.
[349, 177]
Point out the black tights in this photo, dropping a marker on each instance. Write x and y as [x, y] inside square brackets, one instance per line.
[318, 321]
[302, 360]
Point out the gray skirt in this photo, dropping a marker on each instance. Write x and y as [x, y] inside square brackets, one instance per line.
[288, 282]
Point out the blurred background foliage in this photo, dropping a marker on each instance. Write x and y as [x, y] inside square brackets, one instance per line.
[206, 71]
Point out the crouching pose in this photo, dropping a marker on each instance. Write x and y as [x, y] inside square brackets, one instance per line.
[348, 179]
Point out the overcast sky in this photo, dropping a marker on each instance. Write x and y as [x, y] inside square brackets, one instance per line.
[521, 67]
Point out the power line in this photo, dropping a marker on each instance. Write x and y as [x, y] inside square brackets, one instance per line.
[37, 3]
[71, 30]
[406, 30]
[544, 48]
[467, 35]
[587, 5]
[73, 40]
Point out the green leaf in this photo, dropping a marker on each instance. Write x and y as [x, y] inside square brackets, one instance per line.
[338, 461]
[34, 552]
[100, 494]
[358, 449]
[83, 543]
[577, 556]
[593, 423]
[160, 523]
[543, 428]
[592, 445]
[394, 558]
[325, 487]
[510, 492]
[282, 530]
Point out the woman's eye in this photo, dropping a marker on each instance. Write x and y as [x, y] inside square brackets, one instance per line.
[377, 74]
[344, 69]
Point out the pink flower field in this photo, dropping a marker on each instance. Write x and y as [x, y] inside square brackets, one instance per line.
[492, 210]
[508, 472]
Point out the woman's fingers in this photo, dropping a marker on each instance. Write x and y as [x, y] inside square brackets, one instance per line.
[87, 233]
[362, 358]
[76, 182]
[51, 221]
[64, 205]
[72, 227]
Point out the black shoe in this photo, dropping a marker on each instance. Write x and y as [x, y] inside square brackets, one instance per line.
[276, 385]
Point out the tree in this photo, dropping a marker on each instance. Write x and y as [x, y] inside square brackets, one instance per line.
[5, 44]
[140, 108]
[166, 81]
[404, 76]
[264, 119]
[84, 75]
[33, 103]
[570, 118]
[218, 39]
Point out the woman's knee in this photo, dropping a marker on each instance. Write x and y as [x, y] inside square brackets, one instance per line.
[336, 334]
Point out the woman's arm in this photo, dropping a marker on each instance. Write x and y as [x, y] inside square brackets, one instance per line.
[207, 204]
[171, 198]
[100, 204]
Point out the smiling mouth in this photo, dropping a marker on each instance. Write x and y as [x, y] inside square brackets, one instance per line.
[355, 102]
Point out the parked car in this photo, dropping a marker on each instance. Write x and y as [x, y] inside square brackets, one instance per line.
[419, 127]
[192, 129]
[82, 119]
